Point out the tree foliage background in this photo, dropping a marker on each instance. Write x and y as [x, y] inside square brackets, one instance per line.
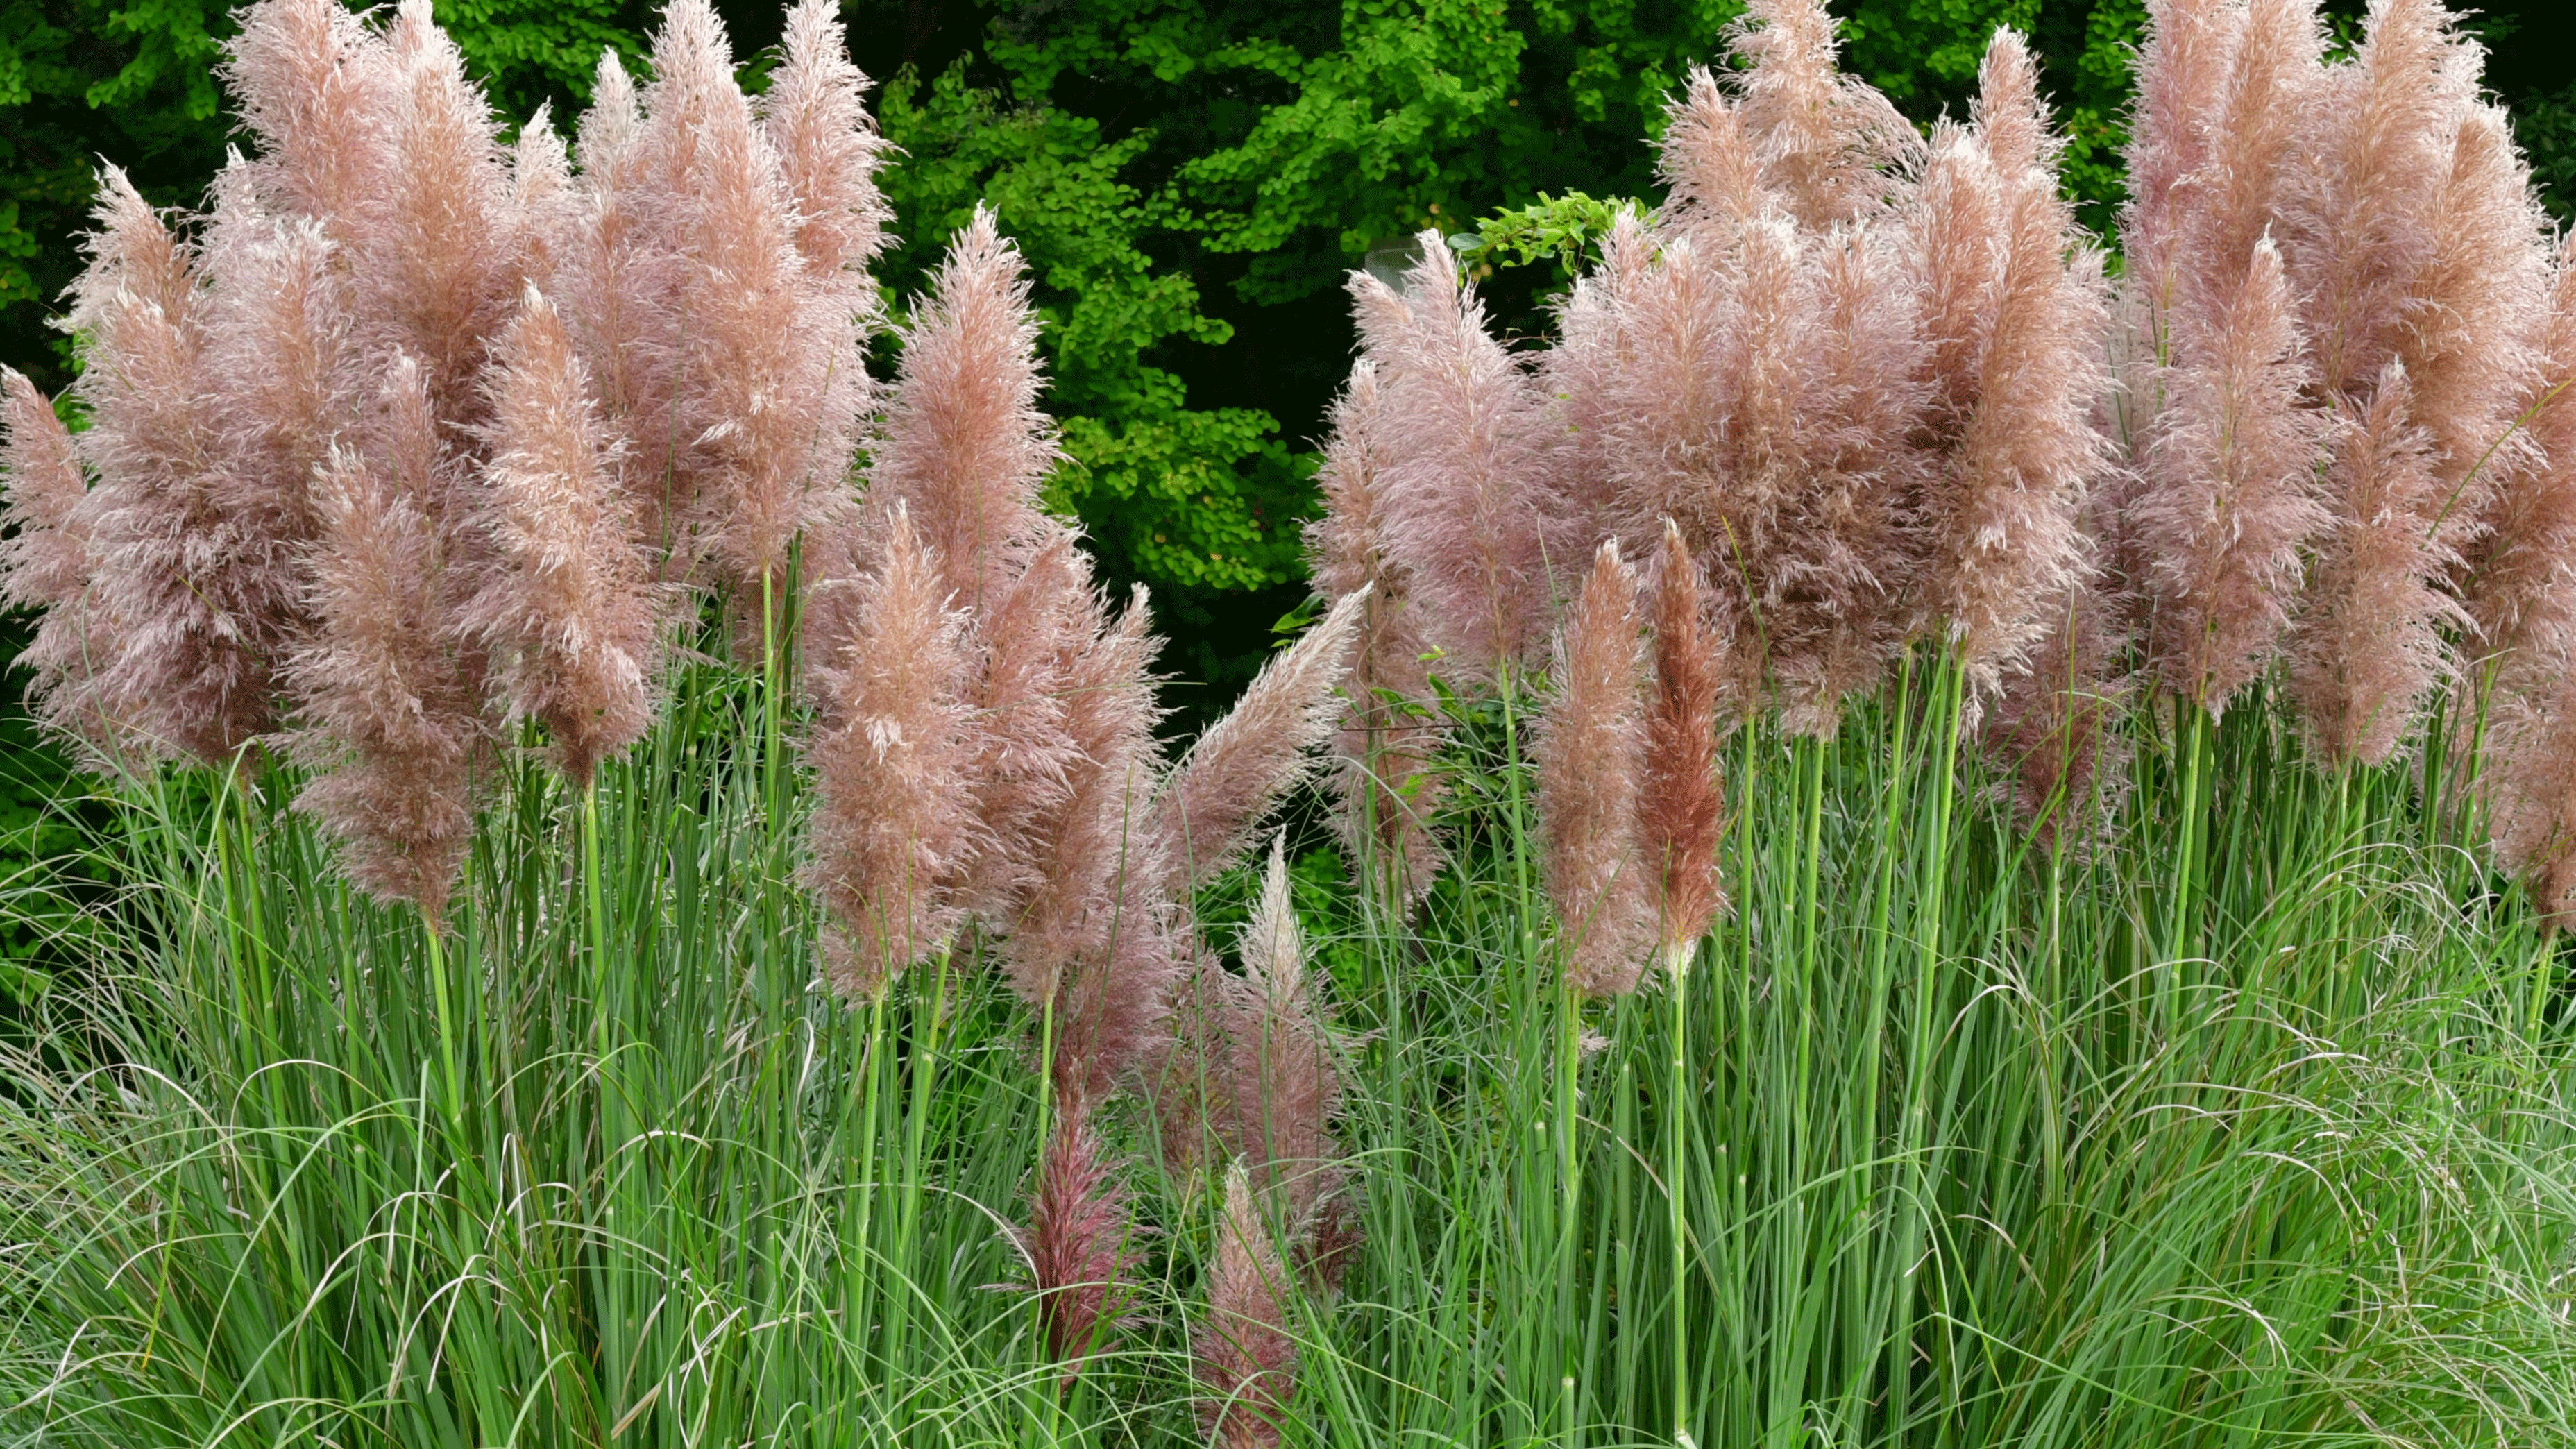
[1190, 180]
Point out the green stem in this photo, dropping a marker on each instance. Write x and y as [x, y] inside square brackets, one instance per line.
[1676, 1176]
[446, 1020]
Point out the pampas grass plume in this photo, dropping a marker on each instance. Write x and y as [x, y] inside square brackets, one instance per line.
[569, 608]
[2367, 647]
[1246, 1361]
[894, 818]
[1470, 507]
[385, 720]
[1079, 1241]
[2228, 503]
[1681, 806]
[1262, 749]
[1383, 750]
[1589, 767]
[963, 444]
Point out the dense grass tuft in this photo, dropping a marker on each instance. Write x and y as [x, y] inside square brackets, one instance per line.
[2250, 1120]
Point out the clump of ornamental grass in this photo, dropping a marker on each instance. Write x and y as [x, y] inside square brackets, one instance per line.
[416, 449]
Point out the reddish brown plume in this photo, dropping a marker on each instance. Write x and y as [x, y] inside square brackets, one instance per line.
[1681, 808]
[1080, 1241]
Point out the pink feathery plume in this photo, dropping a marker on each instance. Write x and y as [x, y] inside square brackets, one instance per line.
[2228, 502]
[2520, 586]
[769, 380]
[186, 611]
[2264, 118]
[2004, 540]
[1263, 748]
[2367, 645]
[567, 608]
[1707, 421]
[386, 719]
[1079, 1241]
[1024, 752]
[1957, 237]
[542, 194]
[46, 564]
[963, 444]
[314, 89]
[1383, 751]
[2530, 786]
[434, 250]
[1709, 165]
[279, 357]
[1588, 757]
[1832, 147]
[2054, 729]
[614, 281]
[894, 818]
[1251, 1078]
[816, 117]
[1580, 374]
[1246, 1360]
[1095, 934]
[2474, 319]
[2184, 58]
[1681, 807]
[1470, 510]
[2364, 208]
[1841, 555]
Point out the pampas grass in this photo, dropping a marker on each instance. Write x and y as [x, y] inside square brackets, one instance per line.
[2081, 898]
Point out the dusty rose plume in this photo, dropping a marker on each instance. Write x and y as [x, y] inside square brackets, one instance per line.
[1469, 507]
[435, 243]
[314, 88]
[2367, 646]
[2228, 503]
[388, 721]
[2520, 587]
[1681, 808]
[894, 821]
[963, 445]
[2002, 516]
[45, 561]
[568, 608]
[1095, 932]
[1830, 144]
[2364, 210]
[1263, 748]
[45, 565]
[188, 609]
[1588, 757]
[1709, 166]
[1246, 1358]
[1252, 1079]
[1383, 750]
[817, 121]
[2184, 58]
[1079, 1241]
